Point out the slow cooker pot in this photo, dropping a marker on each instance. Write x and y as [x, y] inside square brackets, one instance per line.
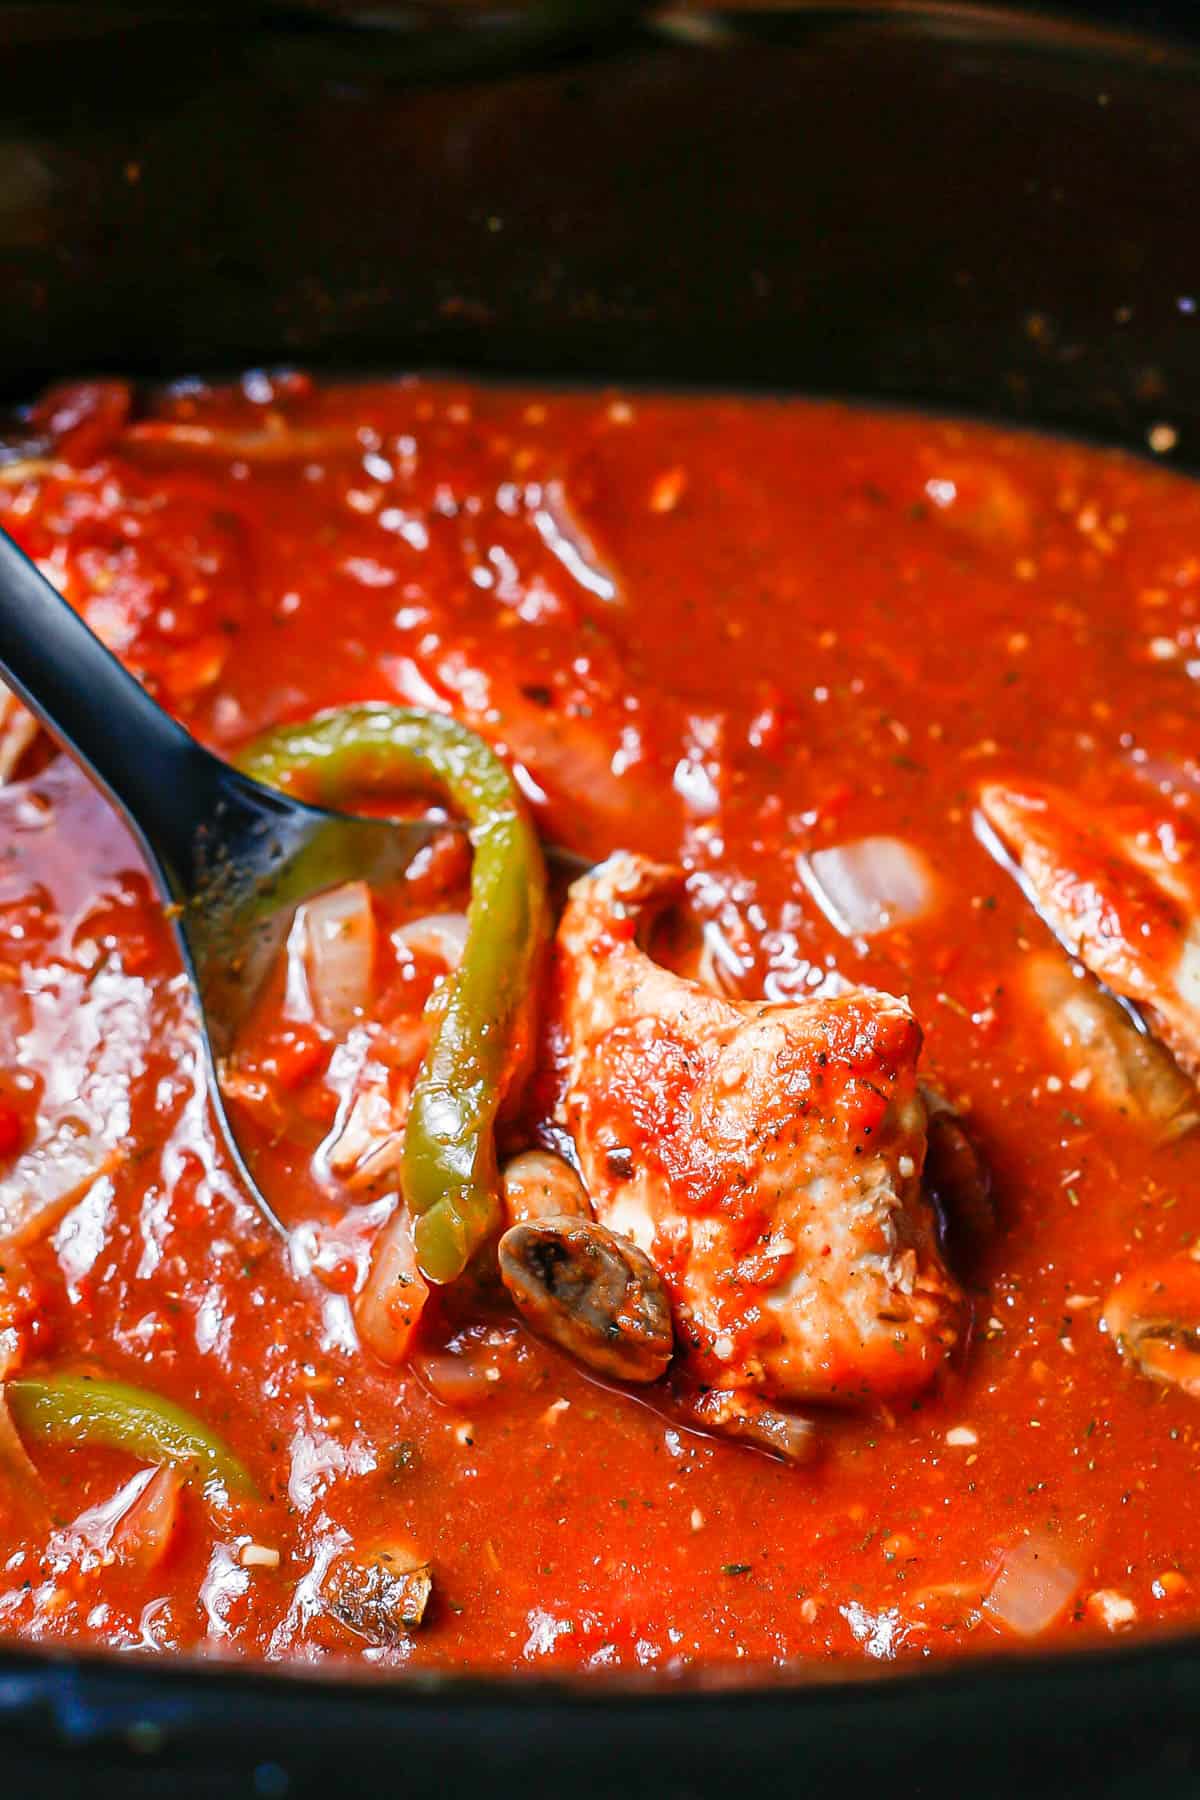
[935, 205]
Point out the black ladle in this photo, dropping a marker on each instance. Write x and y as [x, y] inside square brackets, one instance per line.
[235, 858]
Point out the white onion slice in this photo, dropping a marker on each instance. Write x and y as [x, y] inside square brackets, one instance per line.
[366, 1152]
[1034, 1586]
[136, 1524]
[89, 1034]
[566, 539]
[441, 936]
[47, 1179]
[144, 1532]
[459, 1381]
[335, 934]
[283, 444]
[388, 1310]
[338, 1251]
[869, 885]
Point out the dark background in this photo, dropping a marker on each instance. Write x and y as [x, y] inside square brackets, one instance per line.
[1176, 17]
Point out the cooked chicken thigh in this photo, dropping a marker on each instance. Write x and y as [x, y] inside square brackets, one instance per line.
[766, 1157]
[1121, 888]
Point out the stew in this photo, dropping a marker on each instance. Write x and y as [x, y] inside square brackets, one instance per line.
[779, 1243]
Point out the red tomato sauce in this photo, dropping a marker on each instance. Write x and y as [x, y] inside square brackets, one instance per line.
[720, 631]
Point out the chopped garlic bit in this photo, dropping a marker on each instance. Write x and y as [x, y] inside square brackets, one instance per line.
[961, 1435]
[1112, 1610]
[550, 1416]
[697, 1519]
[258, 1556]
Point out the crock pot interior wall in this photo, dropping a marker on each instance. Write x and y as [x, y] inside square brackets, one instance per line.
[957, 218]
[864, 207]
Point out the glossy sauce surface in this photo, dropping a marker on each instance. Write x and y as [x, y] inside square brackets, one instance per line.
[722, 631]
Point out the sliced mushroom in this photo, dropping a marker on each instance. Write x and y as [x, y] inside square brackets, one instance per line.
[592, 1293]
[790, 1436]
[957, 1180]
[381, 1596]
[1153, 1318]
[540, 1185]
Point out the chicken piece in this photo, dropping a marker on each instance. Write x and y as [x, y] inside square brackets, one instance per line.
[767, 1158]
[1121, 889]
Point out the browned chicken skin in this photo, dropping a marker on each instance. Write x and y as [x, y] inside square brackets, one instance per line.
[766, 1157]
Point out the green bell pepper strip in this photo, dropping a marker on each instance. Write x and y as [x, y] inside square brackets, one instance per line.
[75, 1409]
[482, 1019]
